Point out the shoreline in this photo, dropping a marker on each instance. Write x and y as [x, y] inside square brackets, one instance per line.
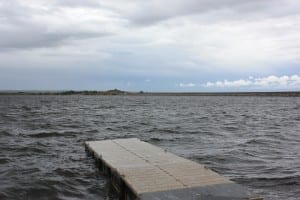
[126, 93]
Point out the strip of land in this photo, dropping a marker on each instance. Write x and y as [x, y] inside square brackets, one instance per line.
[142, 93]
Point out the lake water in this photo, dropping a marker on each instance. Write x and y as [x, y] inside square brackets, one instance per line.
[255, 141]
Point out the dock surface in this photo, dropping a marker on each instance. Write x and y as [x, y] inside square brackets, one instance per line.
[143, 171]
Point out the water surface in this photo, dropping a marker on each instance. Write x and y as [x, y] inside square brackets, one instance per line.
[252, 140]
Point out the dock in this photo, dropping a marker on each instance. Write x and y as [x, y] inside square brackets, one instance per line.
[141, 171]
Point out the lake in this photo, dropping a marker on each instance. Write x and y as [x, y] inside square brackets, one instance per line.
[254, 141]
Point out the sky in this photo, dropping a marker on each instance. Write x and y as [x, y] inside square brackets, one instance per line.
[153, 45]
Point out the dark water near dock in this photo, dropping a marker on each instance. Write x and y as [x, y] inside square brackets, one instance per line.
[252, 140]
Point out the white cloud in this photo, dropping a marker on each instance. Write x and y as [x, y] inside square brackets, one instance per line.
[183, 85]
[269, 82]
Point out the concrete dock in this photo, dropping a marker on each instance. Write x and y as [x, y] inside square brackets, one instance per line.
[141, 171]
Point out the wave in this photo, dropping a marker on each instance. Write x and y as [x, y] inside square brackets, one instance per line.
[53, 134]
[159, 139]
[262, 141]
[5, 133]
[31, 149]
[164, 130]
[24, 150]
[271, 181]
[65, 172]
[26, 108]
[4, 161]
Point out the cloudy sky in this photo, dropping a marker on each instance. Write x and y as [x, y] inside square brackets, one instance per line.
[154, 45]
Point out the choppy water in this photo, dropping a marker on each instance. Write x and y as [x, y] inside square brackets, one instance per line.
[253, 140]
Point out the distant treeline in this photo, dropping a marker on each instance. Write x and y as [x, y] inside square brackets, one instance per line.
[67, 92]
[141, 93]
[95, 92]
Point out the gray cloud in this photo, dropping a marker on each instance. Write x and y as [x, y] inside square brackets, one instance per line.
[78, 3]
[23, 26]
[36, 36]
[149, 12]
[46, 23]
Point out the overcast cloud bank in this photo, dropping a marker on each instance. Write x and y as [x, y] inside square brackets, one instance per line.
[106, 44]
